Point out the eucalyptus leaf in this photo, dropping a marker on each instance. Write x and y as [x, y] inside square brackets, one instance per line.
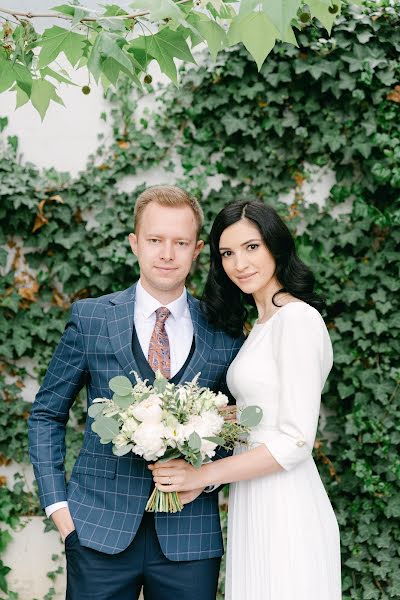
[106, 427]
[122, 450]
[215, 439]
[121, 385]
[250, 416]
[95, 409]
[195, 441]
[123, 401]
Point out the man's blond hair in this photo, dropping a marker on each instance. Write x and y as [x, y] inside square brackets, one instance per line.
[168, 195]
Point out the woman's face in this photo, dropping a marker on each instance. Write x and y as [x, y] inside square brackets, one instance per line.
[246, 259]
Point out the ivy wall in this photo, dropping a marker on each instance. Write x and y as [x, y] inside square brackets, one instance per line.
[331, 102]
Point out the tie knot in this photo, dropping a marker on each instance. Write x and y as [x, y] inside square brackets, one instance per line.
[162, 314]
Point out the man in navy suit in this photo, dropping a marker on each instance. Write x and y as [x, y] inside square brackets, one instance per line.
[113, 547]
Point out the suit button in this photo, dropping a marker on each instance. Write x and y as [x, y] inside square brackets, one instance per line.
[300, 443]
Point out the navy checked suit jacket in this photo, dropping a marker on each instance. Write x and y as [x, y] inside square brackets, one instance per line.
[107, 494]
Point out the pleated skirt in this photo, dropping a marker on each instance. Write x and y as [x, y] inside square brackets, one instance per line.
[283, 538]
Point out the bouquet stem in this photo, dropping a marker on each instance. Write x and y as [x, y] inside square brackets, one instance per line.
[164, 502]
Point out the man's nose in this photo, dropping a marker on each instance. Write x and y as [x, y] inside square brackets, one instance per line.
[167, 251]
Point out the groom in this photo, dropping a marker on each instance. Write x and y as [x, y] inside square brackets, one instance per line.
[113, 547]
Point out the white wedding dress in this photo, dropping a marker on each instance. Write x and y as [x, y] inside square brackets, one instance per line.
[283, 537]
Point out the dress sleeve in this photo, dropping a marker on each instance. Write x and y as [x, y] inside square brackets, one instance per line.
[303, 354]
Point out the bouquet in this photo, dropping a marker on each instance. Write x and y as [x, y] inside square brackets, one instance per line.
[165, 421]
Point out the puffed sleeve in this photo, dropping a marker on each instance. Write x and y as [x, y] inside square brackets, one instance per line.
[303, 354]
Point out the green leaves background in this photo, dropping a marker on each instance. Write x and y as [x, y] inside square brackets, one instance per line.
[329, 103]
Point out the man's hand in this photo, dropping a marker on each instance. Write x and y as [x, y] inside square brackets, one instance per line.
[229, 413]
[187, 497]
[63, 521]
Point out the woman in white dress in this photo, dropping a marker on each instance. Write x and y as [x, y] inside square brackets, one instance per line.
[283, 537]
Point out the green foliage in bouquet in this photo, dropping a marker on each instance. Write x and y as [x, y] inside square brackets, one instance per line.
[333, 104]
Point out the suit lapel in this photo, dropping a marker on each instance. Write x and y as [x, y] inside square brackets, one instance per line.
[120, 329]
[204, 337]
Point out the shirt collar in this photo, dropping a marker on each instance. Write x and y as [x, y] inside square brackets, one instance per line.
[147, 304]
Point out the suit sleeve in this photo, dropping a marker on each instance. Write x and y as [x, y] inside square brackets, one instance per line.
[303, 356]
[50, 412]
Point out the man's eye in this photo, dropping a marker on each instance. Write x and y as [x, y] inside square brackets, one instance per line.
[182, 243]
[153, 240]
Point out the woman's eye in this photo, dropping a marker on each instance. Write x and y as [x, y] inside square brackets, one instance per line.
[226, 253]
[253, 246]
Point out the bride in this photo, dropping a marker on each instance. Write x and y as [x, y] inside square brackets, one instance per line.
[283, 538]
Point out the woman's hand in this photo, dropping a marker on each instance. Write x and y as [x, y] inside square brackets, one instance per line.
[177, 476]
[229, 413]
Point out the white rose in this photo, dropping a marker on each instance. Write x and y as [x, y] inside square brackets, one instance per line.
[149, 410]
[207, 424]
[149, 441]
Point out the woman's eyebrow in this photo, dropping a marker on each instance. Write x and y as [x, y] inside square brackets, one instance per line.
[244, 243]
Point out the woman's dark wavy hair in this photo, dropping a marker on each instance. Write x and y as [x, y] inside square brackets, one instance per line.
[223, 303]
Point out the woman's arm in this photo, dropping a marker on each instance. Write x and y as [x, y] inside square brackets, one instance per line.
[179, 476]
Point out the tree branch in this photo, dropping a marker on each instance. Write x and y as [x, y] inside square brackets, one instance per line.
[31, 15]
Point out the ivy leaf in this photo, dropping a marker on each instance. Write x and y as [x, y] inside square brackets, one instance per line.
[164, 47]
[56, 40]
[42, 92]
[281, 12]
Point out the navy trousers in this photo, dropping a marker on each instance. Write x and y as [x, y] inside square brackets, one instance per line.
[93, 575]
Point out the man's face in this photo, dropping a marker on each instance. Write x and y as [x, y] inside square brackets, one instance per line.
[165, 246]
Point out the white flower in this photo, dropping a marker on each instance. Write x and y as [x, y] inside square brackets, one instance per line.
[129, 427]
[175, 435]
[207, 424]
[221, 400]
[207, 449]
[149, 410]
[120, 441]
[149, 441]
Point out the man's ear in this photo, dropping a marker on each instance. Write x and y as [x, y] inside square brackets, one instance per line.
[198, 249]
[133, 242]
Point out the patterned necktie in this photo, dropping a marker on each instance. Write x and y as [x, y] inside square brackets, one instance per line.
[159, 355]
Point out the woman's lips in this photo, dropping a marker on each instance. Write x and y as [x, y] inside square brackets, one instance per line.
[245, 277]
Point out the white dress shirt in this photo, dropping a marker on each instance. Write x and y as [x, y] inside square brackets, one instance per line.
[178, 326]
